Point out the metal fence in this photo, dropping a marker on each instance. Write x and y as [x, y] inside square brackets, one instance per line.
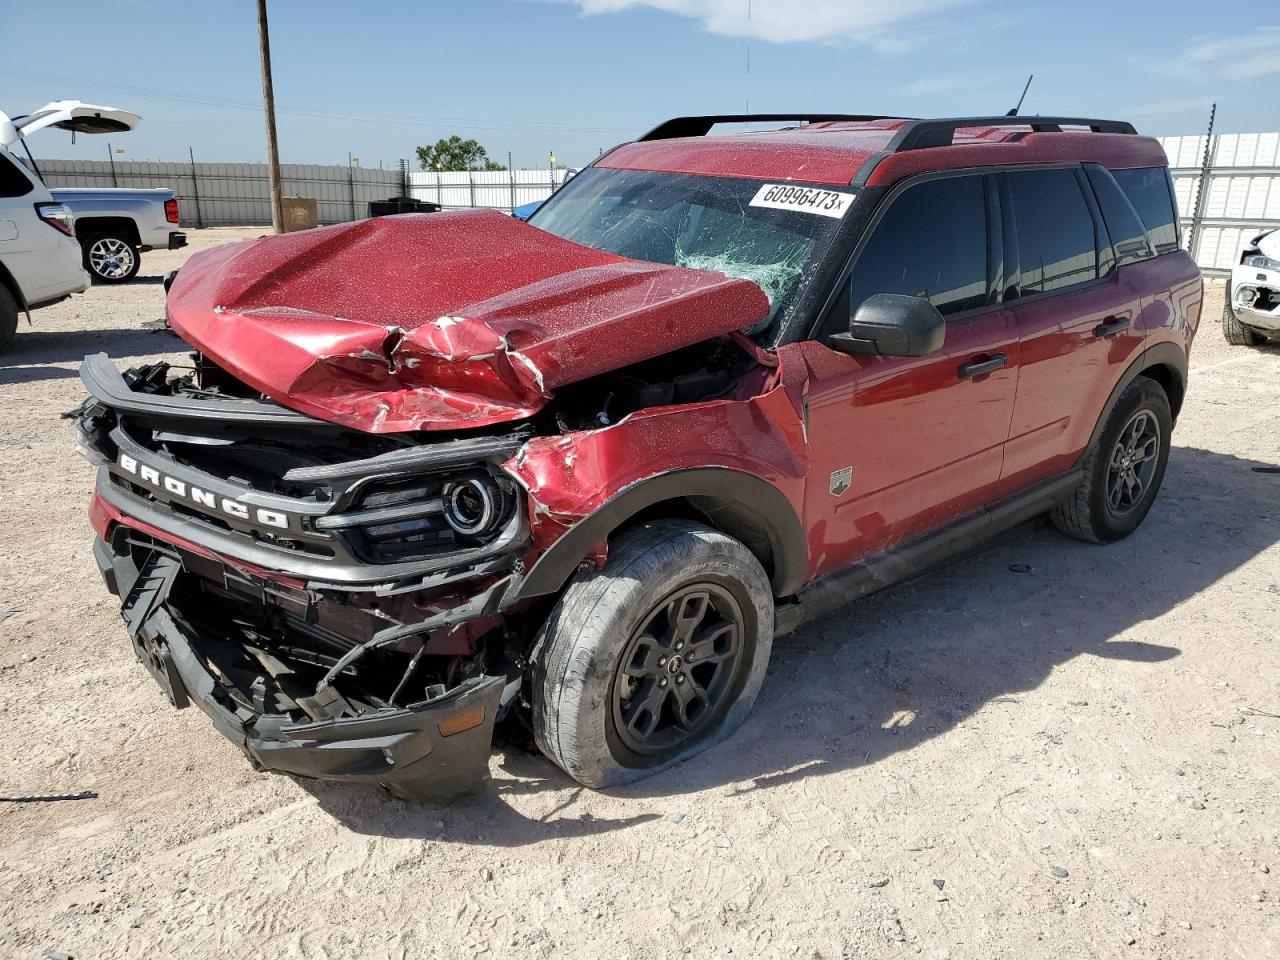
[225, 194]
[230, 194]
[1239, 199]
[495, 189]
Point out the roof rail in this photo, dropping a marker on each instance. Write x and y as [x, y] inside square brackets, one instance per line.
[701, 126]
[919, 134]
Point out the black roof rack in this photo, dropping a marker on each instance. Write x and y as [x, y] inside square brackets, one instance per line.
[701, 126]
[919, 134]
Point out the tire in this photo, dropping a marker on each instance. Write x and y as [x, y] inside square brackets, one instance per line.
[589, 713]
[110, 257]
[1236, 333]
[8, 316]
[1091, 512]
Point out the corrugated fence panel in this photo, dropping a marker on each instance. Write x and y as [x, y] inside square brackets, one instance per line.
[1239, 199]
[221, 194]
[493, 189]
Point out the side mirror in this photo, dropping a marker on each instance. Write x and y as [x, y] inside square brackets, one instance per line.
[892, 325]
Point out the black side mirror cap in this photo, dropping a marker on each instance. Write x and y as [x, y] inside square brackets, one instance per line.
[892, 325]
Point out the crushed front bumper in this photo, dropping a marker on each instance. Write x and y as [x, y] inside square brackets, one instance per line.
[1255, 298]
[435, 750]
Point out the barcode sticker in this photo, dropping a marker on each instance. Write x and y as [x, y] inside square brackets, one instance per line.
[825, 203]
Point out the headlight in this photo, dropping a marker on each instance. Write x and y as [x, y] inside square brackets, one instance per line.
[473, 506]
[1260, 262]
[418, 517]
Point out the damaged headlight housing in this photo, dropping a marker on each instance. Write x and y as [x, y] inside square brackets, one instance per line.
[398, 519]
[473, 507]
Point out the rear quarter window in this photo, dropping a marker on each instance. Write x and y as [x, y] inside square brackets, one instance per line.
[1149, 191]
[13, 182]
[1128, 232]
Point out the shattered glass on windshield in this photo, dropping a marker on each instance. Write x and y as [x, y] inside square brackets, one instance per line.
[705, 223]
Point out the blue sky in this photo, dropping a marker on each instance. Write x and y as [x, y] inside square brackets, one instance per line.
[575, 76]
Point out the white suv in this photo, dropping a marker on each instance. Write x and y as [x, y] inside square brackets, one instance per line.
[1252, 311]
[40, 259]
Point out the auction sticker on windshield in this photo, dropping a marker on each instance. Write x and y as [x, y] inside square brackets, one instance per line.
[826, 203]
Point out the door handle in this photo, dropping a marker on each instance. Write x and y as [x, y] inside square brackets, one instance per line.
[1111, 326]
[978, 368]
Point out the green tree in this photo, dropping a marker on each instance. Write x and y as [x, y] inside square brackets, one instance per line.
[454, 153]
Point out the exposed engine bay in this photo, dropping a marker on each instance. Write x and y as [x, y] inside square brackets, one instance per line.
[328, 574]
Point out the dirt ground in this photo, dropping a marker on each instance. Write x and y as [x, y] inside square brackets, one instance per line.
[1045, 750]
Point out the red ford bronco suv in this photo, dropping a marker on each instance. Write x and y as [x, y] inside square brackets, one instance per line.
[431, 473]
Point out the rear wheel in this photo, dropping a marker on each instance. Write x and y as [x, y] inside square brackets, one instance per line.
[654, 658]
[1123, 469]
[8, 316]
[110, 257]
[1236, 333]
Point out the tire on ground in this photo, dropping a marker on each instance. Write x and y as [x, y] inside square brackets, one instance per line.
[8, 316]
[1235, 332]
[86, 245]
[1086, 513]
[578, 650]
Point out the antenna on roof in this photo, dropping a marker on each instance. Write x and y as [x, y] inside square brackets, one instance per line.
[1014, 111]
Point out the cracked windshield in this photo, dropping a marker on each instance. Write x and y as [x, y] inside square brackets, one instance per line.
[707, 223]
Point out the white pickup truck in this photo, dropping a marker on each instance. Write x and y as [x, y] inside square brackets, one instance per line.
[116, 225]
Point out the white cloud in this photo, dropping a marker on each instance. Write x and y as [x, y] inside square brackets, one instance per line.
[789, 21]
[1239, 56]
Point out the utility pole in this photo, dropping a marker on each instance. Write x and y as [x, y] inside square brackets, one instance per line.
[269, 105]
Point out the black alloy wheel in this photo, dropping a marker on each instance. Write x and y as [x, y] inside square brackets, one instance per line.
[678, 671]
[1132, 464]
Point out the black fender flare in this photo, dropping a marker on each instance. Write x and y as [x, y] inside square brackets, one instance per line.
[737, 503]
[1166, 354]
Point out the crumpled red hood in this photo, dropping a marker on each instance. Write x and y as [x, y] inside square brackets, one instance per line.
[438, 321]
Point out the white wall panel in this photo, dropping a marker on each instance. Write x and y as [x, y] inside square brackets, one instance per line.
[1240, 198]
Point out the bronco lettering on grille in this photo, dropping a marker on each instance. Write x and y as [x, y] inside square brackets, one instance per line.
[202, 498]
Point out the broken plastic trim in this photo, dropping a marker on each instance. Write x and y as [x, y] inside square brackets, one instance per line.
[410, 460]
[433, 750]
[487, 601]
[103, 381]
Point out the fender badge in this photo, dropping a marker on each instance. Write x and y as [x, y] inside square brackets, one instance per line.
[841, 480]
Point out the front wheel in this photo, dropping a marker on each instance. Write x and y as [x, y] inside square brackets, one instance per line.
[1123, 469]
[654, 658]
[110, 258]
[1235, 332]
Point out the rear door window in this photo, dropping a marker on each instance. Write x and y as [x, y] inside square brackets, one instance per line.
[930, 243]
[1128, 232]
[1149, 191]
[13, 182]
[1054, 229]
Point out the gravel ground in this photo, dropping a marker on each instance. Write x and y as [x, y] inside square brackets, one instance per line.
[1045, 750]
